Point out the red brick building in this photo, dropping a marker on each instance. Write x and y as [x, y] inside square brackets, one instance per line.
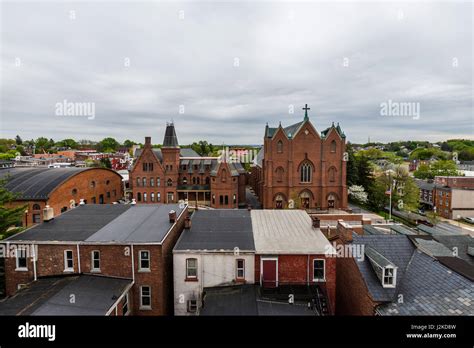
[60, 188]
[301, 165]
[129, 242]
[170, 173]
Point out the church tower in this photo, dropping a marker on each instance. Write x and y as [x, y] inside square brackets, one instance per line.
[170, 151]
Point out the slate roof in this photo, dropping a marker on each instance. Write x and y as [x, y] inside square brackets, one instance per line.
[402, 230]
[369, 229]
[94, 295]
[259, 159]
[170, 140]
[183, 152]
[36, 183]
[432, 247]
[105, 223]
[430, 288]
[396, 248]
[461, 243]
[219, 229]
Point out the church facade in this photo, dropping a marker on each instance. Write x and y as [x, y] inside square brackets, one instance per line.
[300, 167]
[171, 173]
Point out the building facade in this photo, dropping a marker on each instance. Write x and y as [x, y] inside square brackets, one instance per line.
[130, 242]
[300, 167]
[170, 173]
[60, 188]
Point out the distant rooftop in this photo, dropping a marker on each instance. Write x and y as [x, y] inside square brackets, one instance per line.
[37, 183]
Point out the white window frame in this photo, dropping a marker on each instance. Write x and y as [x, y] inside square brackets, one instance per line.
[17, 259]
[189, 306]
[93, 268]
[142, 306]
[66, 268]
[324, 271]
[241, 268]
[393, 276]
[140, 268]
[187, 268]
[127, 302]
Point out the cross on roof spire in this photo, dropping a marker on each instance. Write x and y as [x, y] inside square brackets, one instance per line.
[306, 111]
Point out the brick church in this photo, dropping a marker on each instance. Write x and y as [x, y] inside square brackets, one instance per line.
[171, 173]
[300, 167]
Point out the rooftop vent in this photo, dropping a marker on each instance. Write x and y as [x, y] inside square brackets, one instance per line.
[187, 223]
[172, 215]
[133, 201]
[81, 201]
[48, 213]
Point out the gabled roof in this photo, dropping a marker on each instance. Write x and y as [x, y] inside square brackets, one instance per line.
[183, 152]
[427, 285]
[105, 223]
[337, 128]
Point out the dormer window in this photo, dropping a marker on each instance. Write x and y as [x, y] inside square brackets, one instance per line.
[389, 277]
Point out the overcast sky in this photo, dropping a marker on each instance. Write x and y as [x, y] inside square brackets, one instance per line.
[235, 66]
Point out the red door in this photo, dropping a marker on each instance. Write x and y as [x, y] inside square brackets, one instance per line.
[269, 273]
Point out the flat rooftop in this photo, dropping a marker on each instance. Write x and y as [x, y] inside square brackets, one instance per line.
[220, 229]
[287, 232]
[94, 295]
[105, 223]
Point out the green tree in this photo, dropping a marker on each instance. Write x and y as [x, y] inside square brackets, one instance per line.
[108, 145]
[18, 140]
[69, 143]
[352, 176]
[128, 143]
[41, 144]
[105, 163]
[9, 216]
[423, 172]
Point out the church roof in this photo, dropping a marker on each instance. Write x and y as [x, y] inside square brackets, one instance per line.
[289, 131]
[338, 129]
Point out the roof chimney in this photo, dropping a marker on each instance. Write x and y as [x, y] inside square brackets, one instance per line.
[316, 222]
[187, 223]
[148, 141]
[48, 214]
[172, 215]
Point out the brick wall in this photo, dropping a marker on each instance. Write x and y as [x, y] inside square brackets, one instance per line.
[352, 296]
[298, 269]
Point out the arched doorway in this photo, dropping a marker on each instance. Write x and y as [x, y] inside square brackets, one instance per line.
[279, 201]
[332, 199]
[305, 200]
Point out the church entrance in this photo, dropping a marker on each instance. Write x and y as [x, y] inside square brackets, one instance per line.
[305, 200]
[331, 201]
[279, 202]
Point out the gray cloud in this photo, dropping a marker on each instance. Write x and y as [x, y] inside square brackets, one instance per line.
[287, 54]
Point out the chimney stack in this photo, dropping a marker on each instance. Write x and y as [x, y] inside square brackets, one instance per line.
[187, 223]
[48, 214]
[172, 215]
[148, 141]
[316, 222]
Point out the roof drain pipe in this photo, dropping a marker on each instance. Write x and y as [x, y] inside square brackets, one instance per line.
[133, 265]
[33, 251]
[78, 259]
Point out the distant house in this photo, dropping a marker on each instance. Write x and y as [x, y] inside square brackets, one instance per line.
[404, 275]
[95, 244]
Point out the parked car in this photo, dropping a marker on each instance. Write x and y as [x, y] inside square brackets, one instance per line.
[469, 219]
